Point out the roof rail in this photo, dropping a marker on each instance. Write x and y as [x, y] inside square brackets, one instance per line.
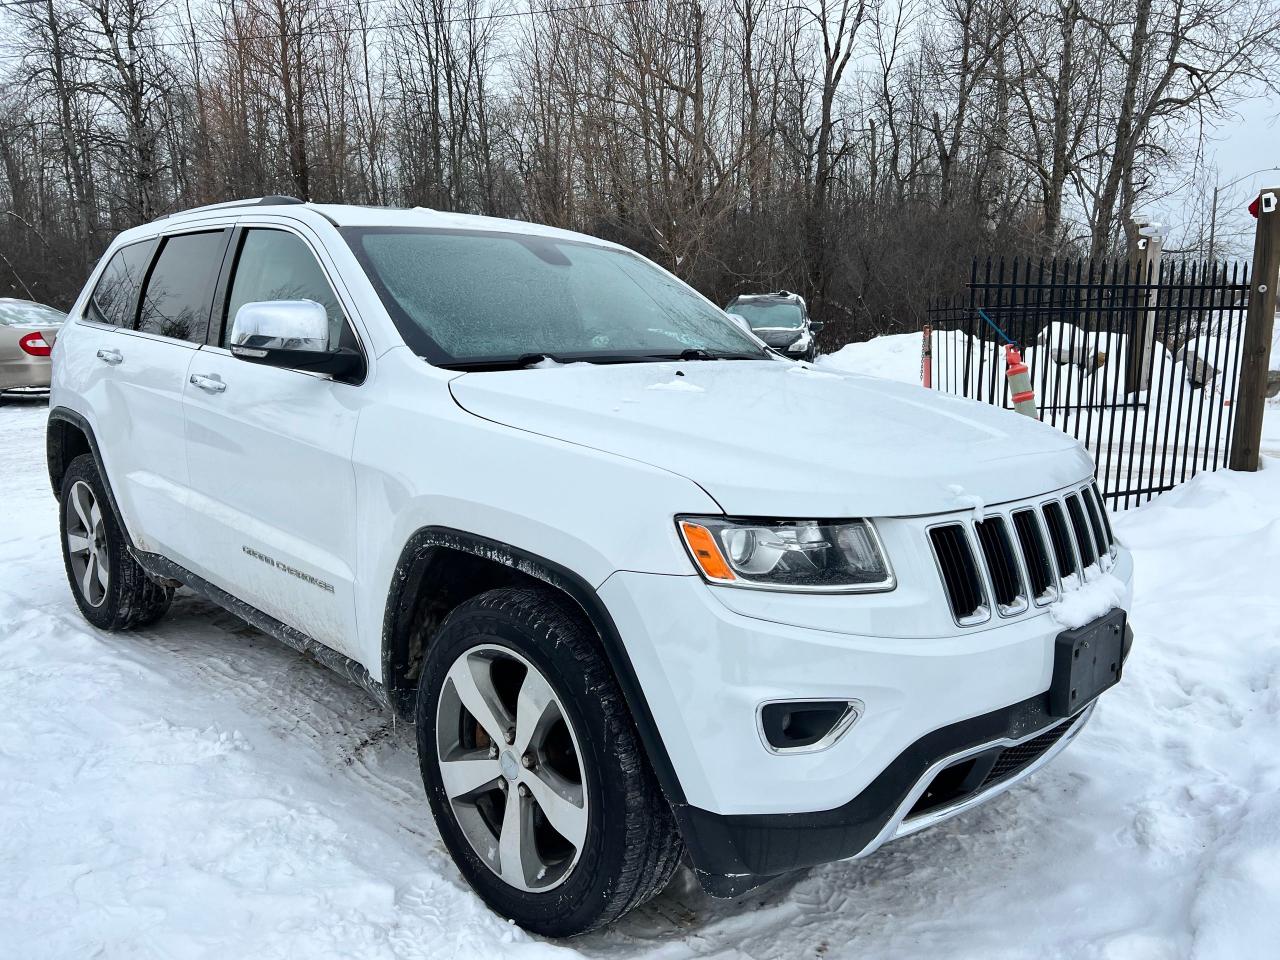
[274, 200]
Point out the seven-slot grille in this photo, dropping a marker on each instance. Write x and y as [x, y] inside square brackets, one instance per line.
[1009, 561]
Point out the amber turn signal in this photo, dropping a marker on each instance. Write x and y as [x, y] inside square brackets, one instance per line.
[707, 555]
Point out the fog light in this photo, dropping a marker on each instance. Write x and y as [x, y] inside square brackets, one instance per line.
[806, 726]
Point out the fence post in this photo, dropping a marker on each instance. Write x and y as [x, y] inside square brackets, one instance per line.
[926, 357]
[1246, 439]
[1144, 253]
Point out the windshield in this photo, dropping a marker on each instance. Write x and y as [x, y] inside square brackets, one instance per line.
[769, 313]
[476, 298]
[23, 312]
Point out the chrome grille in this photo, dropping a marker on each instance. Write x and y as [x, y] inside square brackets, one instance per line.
[1010, 560]
[959, 573]
[1060, 536]
[1035, 552]
[1084, 537]
[1002, 565]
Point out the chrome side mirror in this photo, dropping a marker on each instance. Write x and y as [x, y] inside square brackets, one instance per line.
[293, 335]
[281, 325]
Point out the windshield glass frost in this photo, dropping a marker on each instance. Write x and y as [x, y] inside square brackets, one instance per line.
[762, 314]
[472, 296]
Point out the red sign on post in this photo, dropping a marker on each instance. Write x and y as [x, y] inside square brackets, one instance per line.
[1253, 208]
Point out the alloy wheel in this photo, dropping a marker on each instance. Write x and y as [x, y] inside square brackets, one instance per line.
[87, 544]
[511, 768]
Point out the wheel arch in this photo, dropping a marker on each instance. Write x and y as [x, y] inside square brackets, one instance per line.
[69, 435]
[416, 605]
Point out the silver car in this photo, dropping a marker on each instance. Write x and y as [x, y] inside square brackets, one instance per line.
[27, 332]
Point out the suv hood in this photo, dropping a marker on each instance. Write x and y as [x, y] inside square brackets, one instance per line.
[781, 439]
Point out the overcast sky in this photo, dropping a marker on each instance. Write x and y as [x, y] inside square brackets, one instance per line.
[1238, 148]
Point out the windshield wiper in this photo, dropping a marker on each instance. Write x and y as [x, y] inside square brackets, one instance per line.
[700, 353]
[502, 363]
[524, 360]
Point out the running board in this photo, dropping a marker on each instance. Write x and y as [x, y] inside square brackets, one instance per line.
[165, 569]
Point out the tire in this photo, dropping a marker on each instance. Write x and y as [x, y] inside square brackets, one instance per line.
[129, 597]
[629, 846]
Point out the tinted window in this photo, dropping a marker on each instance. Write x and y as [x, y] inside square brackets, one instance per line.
[275, 265]
[179, 293]
[116, 294]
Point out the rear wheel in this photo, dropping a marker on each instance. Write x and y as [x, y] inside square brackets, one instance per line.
[534, 770]
[110, 588]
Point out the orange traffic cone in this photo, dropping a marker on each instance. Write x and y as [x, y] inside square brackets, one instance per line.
[1024, 398]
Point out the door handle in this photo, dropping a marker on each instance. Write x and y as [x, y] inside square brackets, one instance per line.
[210, 384]
[110, 356]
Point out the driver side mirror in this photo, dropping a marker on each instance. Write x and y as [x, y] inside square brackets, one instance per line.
[816, 325]
[293, 335]
[740, 321]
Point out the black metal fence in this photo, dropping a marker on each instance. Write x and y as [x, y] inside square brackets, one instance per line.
[1139, 363]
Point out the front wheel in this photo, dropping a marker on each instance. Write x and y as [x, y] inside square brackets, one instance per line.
[533, 768]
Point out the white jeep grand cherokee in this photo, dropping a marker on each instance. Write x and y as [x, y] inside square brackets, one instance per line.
[647, 590]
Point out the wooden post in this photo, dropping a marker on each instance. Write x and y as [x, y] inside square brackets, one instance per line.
[1246, 438]
[1144, 254]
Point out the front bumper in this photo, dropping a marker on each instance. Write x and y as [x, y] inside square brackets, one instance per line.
[707, 658]
[734, 854]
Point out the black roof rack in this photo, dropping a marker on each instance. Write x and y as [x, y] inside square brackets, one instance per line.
[277, 200]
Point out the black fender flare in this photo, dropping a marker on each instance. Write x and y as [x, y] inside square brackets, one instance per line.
[57, 464]
[402, 592]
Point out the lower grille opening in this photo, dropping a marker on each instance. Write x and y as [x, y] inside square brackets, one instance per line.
[971, 776]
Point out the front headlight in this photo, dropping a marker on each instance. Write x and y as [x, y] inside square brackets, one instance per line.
[830, 556]
[802, 344]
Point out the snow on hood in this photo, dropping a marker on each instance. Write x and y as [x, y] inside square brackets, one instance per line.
[774, 438]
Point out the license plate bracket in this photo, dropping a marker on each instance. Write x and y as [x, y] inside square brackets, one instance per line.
[1086, 661]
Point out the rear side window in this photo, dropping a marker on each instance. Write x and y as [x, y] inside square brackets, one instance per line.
[116, 295]
[179, 293]
[276, 265]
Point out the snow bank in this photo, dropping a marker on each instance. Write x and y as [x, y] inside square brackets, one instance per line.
[196, 790]
[895, 358]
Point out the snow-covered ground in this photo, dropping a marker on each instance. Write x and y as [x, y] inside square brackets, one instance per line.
[196, 790]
